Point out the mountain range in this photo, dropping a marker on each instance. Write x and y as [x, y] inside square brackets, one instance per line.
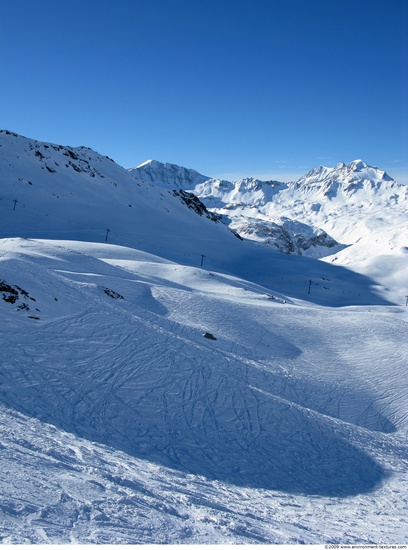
[189, 360]
[340, 201]
[353, 215]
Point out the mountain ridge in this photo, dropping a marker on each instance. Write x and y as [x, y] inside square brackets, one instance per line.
[151, 166]
[172, 176]
[327, 200]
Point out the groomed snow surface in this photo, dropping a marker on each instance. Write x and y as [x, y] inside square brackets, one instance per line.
[123, 423]
[162, 381]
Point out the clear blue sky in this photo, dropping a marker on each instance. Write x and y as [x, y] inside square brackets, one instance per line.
[232, 88]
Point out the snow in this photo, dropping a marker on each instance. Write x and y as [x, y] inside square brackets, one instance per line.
[171, 176]
[122, 423]
[358, 206]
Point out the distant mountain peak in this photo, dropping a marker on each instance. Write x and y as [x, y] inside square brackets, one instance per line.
[343, 174]
[358, 164]
[170, 176]
[146, 163]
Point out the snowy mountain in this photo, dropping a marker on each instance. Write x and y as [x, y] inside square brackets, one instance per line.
[356, 192]
[341, 201]
[287, 236]
[74, 193]
[353, 214]
[347, 178]
[170, 176]
[239, 205]
[166, 382]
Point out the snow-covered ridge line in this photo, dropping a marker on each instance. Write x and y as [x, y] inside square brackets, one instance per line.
[55, 191]
[170, 176]
[345, 202]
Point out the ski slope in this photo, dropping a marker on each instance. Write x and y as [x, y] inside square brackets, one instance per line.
[154, 433]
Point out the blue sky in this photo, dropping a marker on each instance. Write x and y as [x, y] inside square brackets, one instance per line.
[231, 88]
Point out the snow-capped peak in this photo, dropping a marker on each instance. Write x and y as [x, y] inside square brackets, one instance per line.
[358, 164]
[170, 176]
[326, 198]
[147, 162]
[343, 174]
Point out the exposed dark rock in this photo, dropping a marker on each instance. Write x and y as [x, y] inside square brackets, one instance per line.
[196, 205]
[113, 294]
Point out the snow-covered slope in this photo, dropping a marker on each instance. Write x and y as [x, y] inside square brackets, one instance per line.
[62, 192]
[166, 382]
[276, 429]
